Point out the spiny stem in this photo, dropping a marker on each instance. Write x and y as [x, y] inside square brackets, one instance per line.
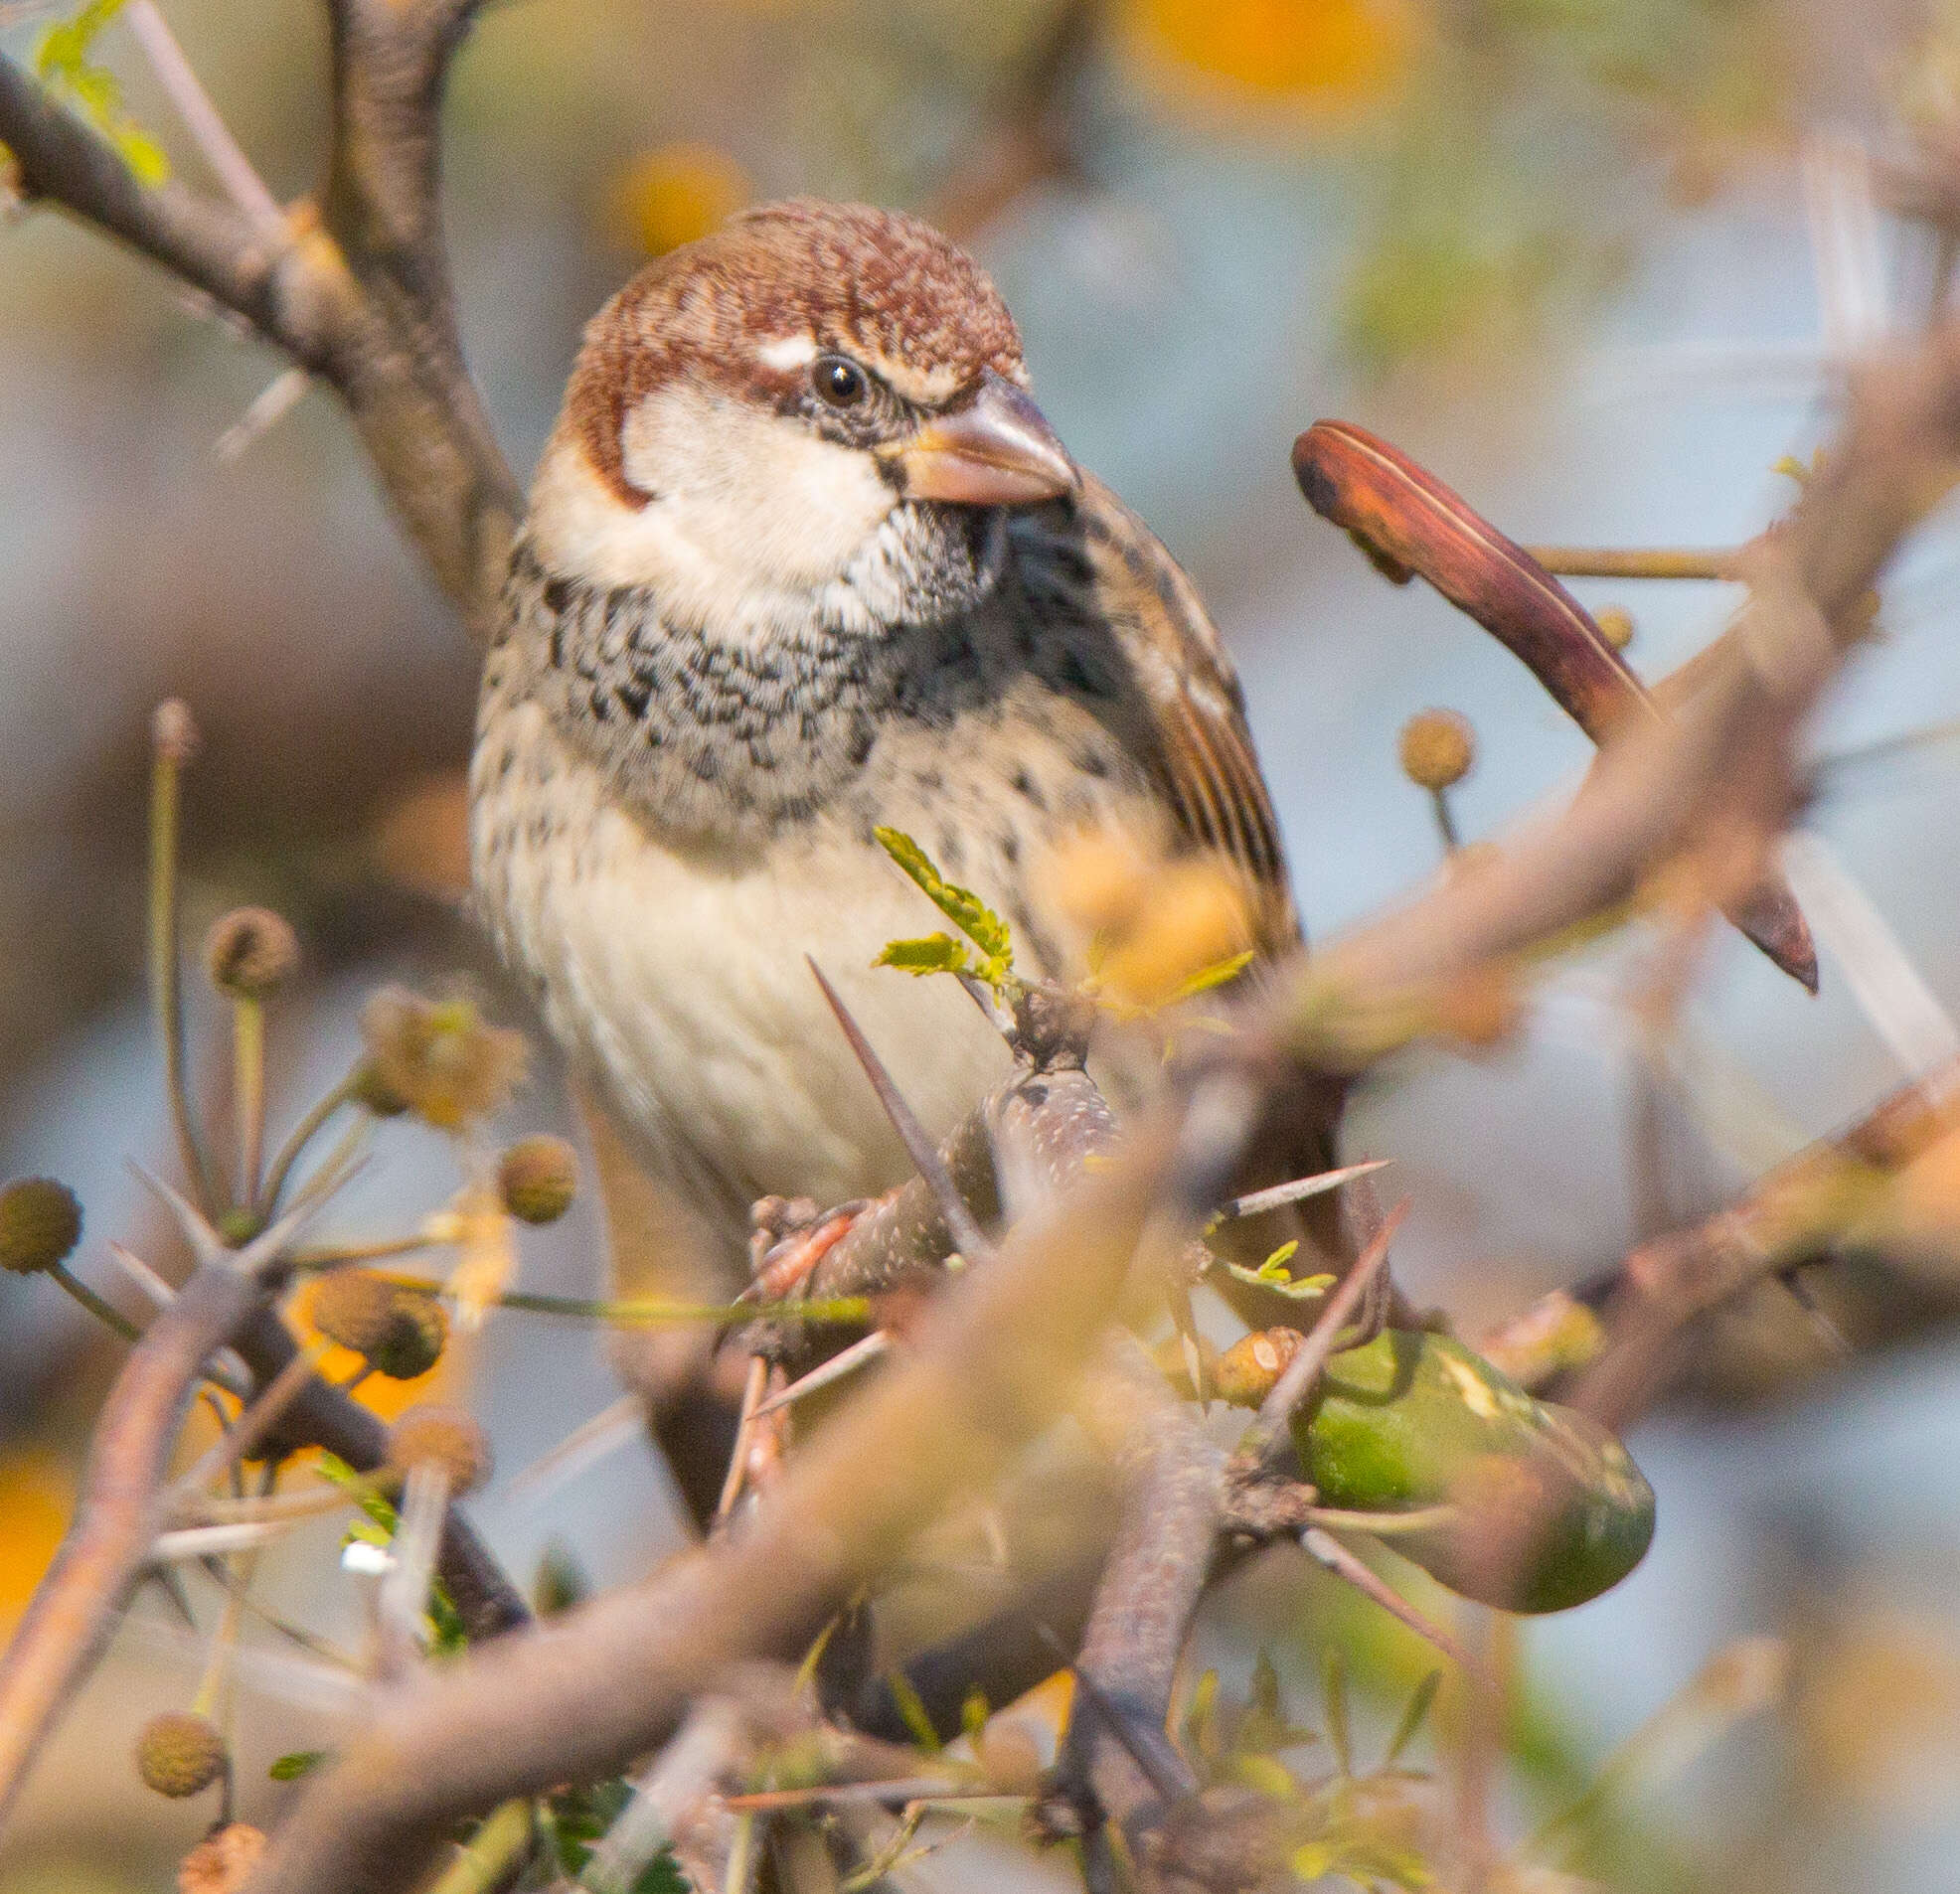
[96, 1307]
[299, 1139]
[249, 1091]
[1594, 562]
[172, 746]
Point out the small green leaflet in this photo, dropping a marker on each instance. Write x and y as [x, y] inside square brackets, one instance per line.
[580, 1817]
[379, 1529]
[291, 1767]
[965, 909]
[61, 63]
[1271, 1274]
[934, 953]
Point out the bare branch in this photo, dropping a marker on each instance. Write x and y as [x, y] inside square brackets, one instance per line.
[612, 1679]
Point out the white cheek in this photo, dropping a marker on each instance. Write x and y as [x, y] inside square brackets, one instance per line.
[750, 515]
[752, 490]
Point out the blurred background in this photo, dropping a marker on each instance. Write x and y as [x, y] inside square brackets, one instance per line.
[1595, 262]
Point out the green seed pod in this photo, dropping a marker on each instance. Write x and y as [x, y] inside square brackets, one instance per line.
[538, 1178]
[400, 1332]
[446, 1435]
[40, 1224]
[1548, 1509]
[179, 1753]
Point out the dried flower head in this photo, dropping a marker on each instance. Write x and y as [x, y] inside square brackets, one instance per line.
[174, 731]
[223, 1861]
[251, 953]
[374, 1093]
[440, 1056]
[537, 1178]
[179, 1753]
[454, 1440]
[40, 1224]
[1437, 748]
[1615, 624]
[399, 1332]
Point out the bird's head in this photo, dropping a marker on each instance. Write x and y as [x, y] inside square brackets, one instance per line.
[817, 402]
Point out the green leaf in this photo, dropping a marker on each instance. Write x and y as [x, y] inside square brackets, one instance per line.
[1275, 1264]
[1334, 1690]
[61, 61]
[965, 909]
[1412, 1717]
[291, 1767]
[1299, 1288]
[936, 953]
[973, 1713]
[1217, 973]
[447, 1635]
[1200, 1721]
[912, 1709]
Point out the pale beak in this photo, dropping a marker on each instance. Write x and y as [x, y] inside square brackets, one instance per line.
[996, 451]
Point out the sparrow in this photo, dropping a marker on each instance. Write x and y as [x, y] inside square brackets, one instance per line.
[802, 560]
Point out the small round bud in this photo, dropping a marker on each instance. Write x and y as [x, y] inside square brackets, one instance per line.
[372, 1091]
[538, 1178]
[179, 1753]
[1437, 748]
[40, 1224]
[440, 1057]
[173, 731]
[399, 1332]
[222, 1863]
[1615, 624]
[251, 953]
[454, 1440]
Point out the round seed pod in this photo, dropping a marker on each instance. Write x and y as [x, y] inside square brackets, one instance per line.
[251, 953]
[40, 1224]
[1615, 624]
[179, 1753]
[1437, 748]
[223, 1861]
[174, 730]
[454, 1440]
[538, 1178]
[401, 1333]
[372, 1092]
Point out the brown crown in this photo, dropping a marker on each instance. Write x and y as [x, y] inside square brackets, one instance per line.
[880, 286]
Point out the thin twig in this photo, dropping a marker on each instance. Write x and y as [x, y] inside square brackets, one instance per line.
[751, 1397]
[859, 1355]
[173, 743]
[1593, 561]
[1322, 1545]
[202, 119]
[299, 1139]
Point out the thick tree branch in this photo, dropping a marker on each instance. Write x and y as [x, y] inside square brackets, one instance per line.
[1174, 1503]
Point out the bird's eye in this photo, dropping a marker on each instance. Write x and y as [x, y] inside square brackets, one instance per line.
[839, 380]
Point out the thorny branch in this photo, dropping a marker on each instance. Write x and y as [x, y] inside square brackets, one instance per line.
[358, 292]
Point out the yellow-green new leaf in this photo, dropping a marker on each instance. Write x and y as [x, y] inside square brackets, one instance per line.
[960, 905]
